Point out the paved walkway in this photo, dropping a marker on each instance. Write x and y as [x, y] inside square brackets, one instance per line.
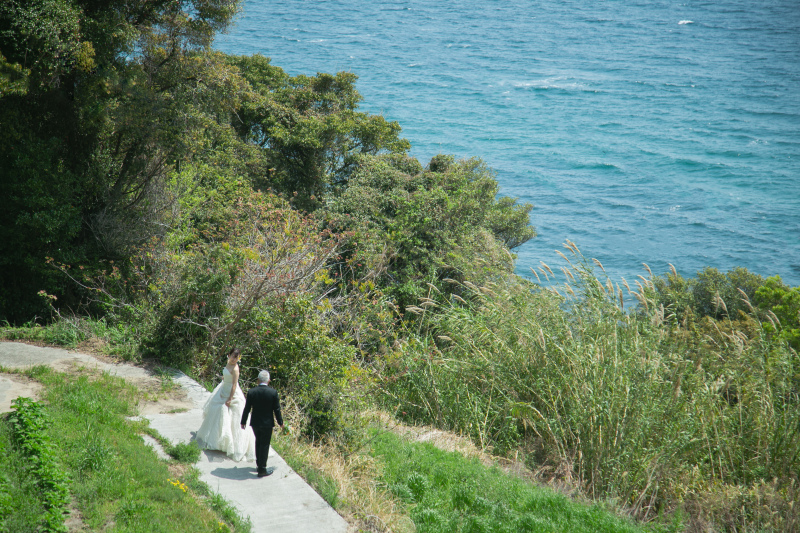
[280, 503]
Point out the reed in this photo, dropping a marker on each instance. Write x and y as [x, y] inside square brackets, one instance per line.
[634, 407]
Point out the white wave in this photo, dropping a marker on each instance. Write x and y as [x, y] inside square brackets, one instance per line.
[686, 22]
[558, 82]
[543, 83]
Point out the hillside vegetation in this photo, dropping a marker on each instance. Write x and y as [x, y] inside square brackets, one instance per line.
[175, 201]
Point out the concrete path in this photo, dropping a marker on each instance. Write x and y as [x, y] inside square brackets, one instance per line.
[280, 503]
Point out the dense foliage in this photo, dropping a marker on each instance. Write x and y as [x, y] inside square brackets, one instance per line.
[416, 226]
[308, 129]
[101, 101]
[180, 201]
[732, 295]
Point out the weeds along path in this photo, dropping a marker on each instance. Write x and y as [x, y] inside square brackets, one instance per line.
[280, 503]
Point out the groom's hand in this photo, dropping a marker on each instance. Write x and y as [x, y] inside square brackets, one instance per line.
[243, 426]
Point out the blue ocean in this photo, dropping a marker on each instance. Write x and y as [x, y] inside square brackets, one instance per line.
[643, 131]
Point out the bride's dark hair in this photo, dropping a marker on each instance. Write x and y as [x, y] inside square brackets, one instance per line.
[234, 351]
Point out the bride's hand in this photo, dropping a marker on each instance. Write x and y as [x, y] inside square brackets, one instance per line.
[228, 403]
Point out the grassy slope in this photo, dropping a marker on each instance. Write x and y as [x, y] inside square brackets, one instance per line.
[118, 482]
[447, 493]
[394, 483]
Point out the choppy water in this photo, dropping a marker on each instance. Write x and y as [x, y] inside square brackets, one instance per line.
[643, 131]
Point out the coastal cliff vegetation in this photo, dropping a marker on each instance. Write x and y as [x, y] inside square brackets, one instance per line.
[174, 201]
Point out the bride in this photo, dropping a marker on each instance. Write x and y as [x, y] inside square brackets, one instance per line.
[222, 413]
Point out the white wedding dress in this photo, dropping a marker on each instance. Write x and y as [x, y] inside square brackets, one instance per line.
[221, 429]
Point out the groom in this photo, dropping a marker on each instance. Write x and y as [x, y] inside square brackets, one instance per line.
[263, 400]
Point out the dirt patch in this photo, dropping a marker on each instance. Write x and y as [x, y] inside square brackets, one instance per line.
[165, 406]
[13, 386]
[446, 441]
[93, 346]
[159, 394]
[158, 391]
[74, 520]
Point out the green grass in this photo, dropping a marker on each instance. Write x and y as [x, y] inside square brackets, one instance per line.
[69, 332]
[183, 452]
[446, 492]
[21, 501]
[118, 482]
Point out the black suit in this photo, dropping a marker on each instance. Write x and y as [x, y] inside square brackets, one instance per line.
[266, 407]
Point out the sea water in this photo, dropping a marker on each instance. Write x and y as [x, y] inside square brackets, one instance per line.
[644, 131]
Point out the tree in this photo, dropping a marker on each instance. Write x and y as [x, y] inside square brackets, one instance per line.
[710, 293]
[100, 102]
[310, 129]
[195, 291]
[784, 304]
[427, 225]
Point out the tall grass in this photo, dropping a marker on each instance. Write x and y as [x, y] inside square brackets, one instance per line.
[637, 407]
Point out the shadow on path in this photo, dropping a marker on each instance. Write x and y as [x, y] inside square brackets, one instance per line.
[237, 472]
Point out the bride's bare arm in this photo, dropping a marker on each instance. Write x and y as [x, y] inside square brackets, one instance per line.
[235, 376]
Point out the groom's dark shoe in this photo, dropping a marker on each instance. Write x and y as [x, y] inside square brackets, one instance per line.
[265, 472]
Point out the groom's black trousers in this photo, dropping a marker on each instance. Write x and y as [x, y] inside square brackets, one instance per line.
[263, 438]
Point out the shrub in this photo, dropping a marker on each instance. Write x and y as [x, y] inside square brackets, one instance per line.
[784, 303]
[28, 426]
[322, 374]
[189, 292]
[710, 293]
[185, 452]
[426, 225]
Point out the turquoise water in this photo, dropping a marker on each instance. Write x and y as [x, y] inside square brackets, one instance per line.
[657, 132]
